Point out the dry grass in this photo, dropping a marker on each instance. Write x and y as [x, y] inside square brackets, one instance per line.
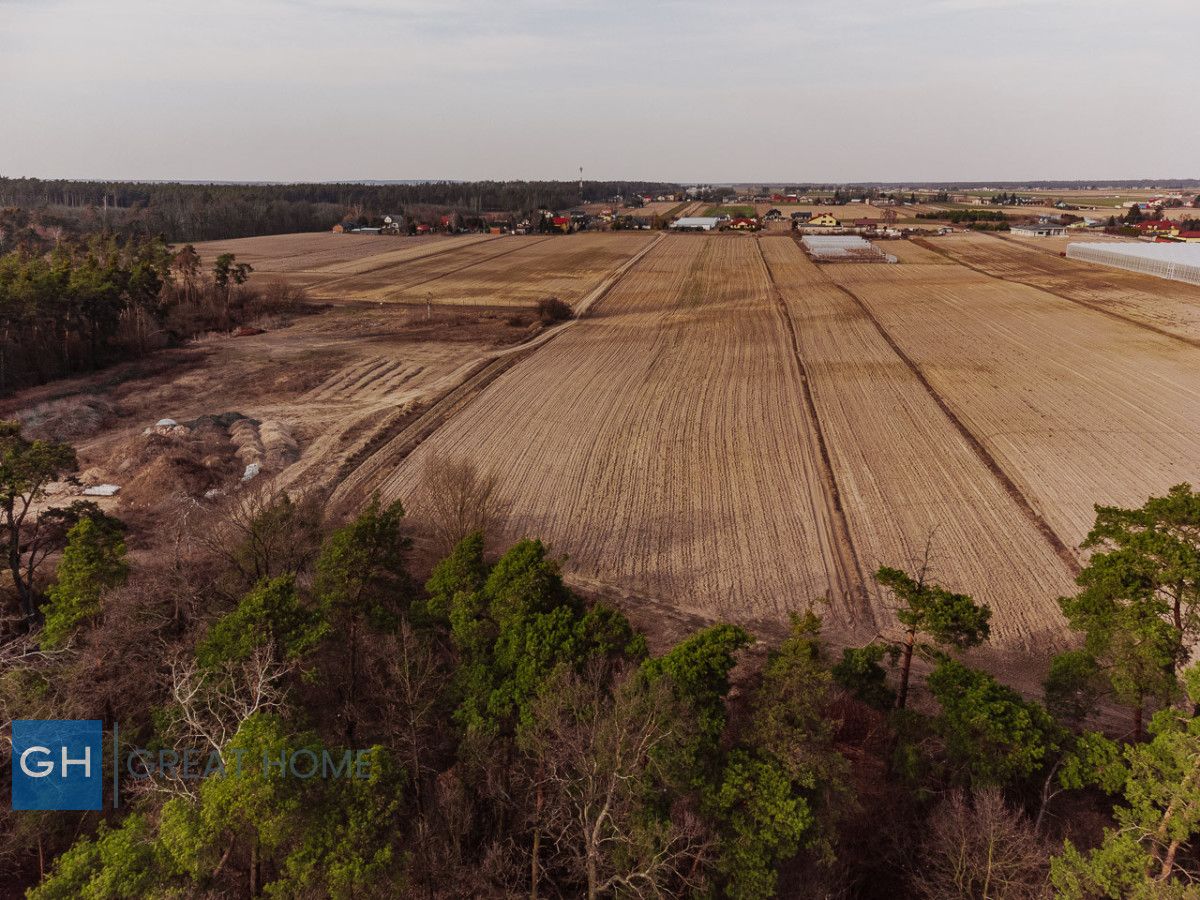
[657, 208]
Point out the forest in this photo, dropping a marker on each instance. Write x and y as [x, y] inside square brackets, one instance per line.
[198, 212]
[82, 303]
[525, 740]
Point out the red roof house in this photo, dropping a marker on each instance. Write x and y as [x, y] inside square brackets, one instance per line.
[1155, 226]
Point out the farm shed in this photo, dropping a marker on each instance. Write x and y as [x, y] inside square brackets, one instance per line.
[1177, 262]
[844, 248]
[1039, 229]
[696, 223]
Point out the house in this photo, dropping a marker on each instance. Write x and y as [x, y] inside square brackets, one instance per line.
[1153, 227]
[1188, 237]
[1039, 229]
[823, 220]
[866, 223]
[801, 216]
[742, 223]
[562, 223]
[424, 228]
[393, 224]
[773, 215]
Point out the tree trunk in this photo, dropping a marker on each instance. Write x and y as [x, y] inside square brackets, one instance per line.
[906, 668]
[254, 885]
[533, 864]
[24, 590]
[1137, 723]
[352, 690]
[537, 839]
[1168, 863]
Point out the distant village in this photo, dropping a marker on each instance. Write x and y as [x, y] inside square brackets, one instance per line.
[893, 215]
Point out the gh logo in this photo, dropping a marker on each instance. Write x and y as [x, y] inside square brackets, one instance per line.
[56, 764]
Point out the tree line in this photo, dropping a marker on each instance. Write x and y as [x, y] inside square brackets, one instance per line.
[525, 741]
[199, 212]
[80, 304]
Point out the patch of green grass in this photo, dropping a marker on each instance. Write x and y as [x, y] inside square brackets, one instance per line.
[732, 211]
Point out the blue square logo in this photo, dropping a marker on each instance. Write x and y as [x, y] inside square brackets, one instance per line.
[57, 764]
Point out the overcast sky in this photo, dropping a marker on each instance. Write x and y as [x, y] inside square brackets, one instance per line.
[679, 90]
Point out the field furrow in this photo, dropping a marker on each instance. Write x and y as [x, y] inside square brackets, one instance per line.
[1076, 407]
[908, 479]
[390, 282]
[1170, 307]
[663, 443]
[565, 267]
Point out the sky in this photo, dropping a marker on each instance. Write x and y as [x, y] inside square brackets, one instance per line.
[674, 90]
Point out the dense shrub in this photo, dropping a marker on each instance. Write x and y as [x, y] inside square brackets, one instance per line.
[553, 310]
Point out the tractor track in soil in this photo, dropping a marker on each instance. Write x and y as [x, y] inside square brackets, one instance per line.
[355, 486]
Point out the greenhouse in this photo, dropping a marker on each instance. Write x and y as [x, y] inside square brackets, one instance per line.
[1178, 262]
[843, 248]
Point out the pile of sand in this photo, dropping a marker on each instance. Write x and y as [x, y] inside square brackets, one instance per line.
[280, 449]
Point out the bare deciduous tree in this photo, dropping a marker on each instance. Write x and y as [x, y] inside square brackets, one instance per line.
[264, 533]
[459, 500]
[414, 681]
[208, 707]
[592, 757]
[979, 847]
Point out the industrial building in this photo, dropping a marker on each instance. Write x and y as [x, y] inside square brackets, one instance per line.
[1177, 262]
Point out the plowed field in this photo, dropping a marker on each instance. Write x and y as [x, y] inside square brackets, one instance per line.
[664, 443]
